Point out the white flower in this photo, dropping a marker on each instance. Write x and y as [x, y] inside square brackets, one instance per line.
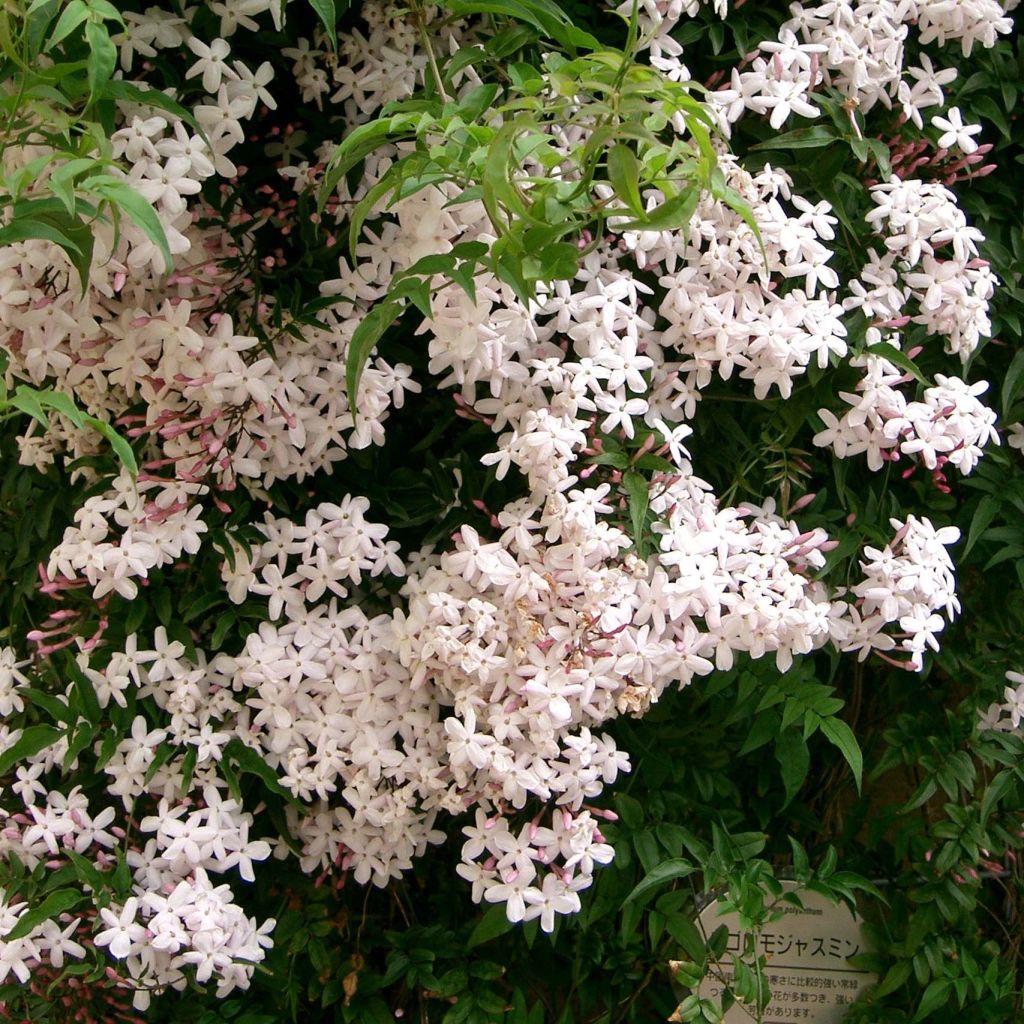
[124, 934]
[212, 63]
[955, 132]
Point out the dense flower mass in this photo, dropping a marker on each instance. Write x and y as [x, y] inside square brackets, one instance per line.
[382, 690]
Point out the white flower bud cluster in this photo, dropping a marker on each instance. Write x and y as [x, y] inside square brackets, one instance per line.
[190, 926]
[908, 582]
[864, 41]
[951, 290]
[778, 84]
[949, 426]
[724, 310]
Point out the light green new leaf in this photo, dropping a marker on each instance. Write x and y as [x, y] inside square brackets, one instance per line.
[543, 15]
[365, 206]
[358, 144]
[26, 400]
[496, 184]
[35, 401]
[107, 11]
[672, 214]
[62, 181]
[59, 402]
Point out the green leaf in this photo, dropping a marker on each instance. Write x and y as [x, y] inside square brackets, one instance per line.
[376, 1012]
[252, 763]
[107, 11]
[986, 511]
[358, 144]
[478, 101]
[122, 449]
[86, 870]
[38, 19]
[56, 709]
[224, 625]
[559, 262]
[188, 767]
[55, 904]
[124, 199]
[1012, 381]
[59, 402]
[364, 339]
[34, 739]
[814, 137]
[133, 92]
[880, 151]
[672, 214]
[70, 18]
[494, 923]
[365, 206]
[794, 761]
[121, 877]
[896, 977]
[26, 400]
[687, 934]
[841, 735]
[495, 179]
[765, 728]
[666, 871]
[630, 811]
[102, 57]
[327, 14]
[935, 995]
[544, 15]
[639, 499]
[163, 754]
[84, 736]
[897, 358]
[995, 791]
[39, 219]
[62, 181]
[624, 174]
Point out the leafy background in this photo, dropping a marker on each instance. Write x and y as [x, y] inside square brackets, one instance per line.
[739, 781]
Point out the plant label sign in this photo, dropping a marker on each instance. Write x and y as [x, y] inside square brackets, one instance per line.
[807, 969]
